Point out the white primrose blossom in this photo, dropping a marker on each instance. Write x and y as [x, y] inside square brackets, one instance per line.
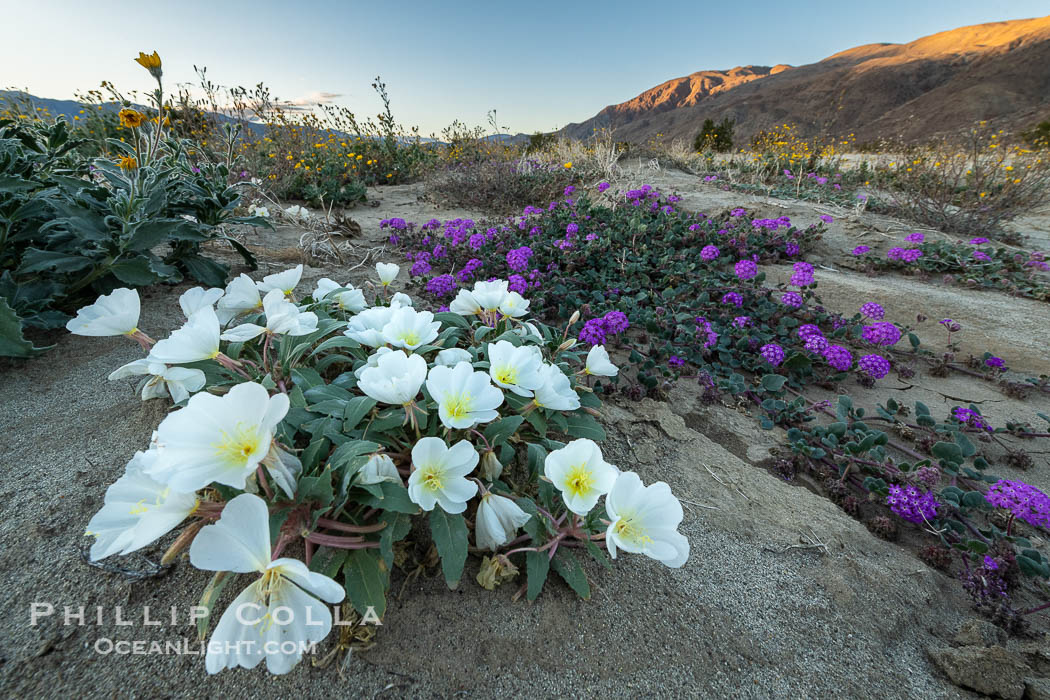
[298, 213]
[195, 299]
[351, 299]
[285, 281]
[176, 382]
[400, 299]
[514, 305]
[489, 295]
[580, 473]
[387, 272]
[439, 474]
[258, 210]
[137, 511]
[377, 469]
[598, 363]
[276, 616]
[372, 361]
[395, 379]
[367, 326]
[644, 520]
[410, 329]
[555, 393]
[221, 439]
[116, 313]
[465, 304]
[242, 297]
[197, 340]
[452, 357]
[464, 397]
[497, 520]
[282, 318]
[515, 367]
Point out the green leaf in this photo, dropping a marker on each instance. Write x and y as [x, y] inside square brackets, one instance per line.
[208, 272]
[948, 451]
[390, 496]
[135, 272]
[773, 382]
[499, 431]
[397, 528]
[147, 234]
[568, 567]
[12, 343]
[366, 578]
[537, 565]
[356, 409]
[35, 260]
[581, 424]
[449, 531]
[328, 561]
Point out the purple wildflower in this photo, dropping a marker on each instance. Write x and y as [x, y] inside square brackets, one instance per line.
[873, 311]
[838, 357]
[708, 252]
[793, 299]
[911, 504]
[745, 269]
[861, 250]
[772, 353]
[875, 366]
[733, 298]
[1024, 501]
[882, 333]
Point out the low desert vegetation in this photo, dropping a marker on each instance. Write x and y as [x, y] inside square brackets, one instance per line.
[320, 441]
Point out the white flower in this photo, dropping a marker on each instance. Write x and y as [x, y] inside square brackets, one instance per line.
[378, 468]
[489, 295]
[372, 361]
[282, 318]
[439, 474]
[400, 299]
[580, 474]
[452, 357]
[137, 511]
[598, 363]
[298, 213]
[367, 326]
[465, 304]
[645, 521]
[285, 281]
[514, 305]
[515, 368]
[497, 520]
[464, 397]
[195, 299]
[116, 313]
[395, 379]
[387, 272]
[242, 296]
[257, 210]
[352, 300]
[177, 382]
[198, 339]
[276, 616]
[556, 393]
[410, 329]
[218, 438]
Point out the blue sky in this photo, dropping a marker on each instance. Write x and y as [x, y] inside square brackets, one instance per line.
[540, 64]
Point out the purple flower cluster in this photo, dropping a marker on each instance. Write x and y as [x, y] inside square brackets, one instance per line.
[803, 275]
[882, 333]
[861, 250]
[467, 273]
[394, 223]
[826, 219]
[704, 326]
[745, 269]
[442, 285]
[873, 311]
[596, 330]
[793, 299]
[738, 212]
[1024, 501]
[517, 283]
[816, 343]
[981, 256]
[875, 366]
[911, 504]
[518, 258]
[733, 298]
[915, 237]
[908, 255]
[709, 252]
[772, 353]
[602, 186]
[808, 330]
[791, 249]
[971, 418]
[742, 321]
[978, 241]
[994, 361]
[675, 361]
[838, 357]
[420, 268]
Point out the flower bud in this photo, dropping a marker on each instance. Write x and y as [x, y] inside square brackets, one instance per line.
[490, 466]
[566, 345]
[575, 317]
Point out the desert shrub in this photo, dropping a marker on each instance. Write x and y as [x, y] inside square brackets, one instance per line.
[715, 137]
[1038, 137]
[971, 189]
[313, 434]
[497, 186]
[976, 263]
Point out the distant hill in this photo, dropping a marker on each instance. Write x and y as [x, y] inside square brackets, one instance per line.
[937, 84]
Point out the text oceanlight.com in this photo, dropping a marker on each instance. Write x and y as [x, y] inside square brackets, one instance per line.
[186, 647]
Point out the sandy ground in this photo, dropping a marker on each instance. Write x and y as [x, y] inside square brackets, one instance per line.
[758, 611]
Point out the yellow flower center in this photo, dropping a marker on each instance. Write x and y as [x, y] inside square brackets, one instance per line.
[408, 337]
[579, 481]
[236, 448]
[457, 405]
[629, 530]
[432, 479]
[506, 374]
